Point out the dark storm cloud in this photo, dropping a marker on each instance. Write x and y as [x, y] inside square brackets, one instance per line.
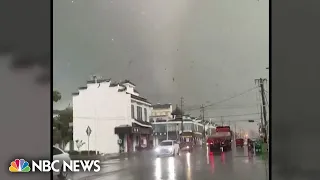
[25, 76]
[22, 62]
[23, 39]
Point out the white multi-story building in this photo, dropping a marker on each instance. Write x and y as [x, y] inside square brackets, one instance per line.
[116, 114]
[161, 112]
[171, 130]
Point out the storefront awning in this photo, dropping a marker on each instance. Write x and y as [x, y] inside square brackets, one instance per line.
[134, 129]
[123, 130]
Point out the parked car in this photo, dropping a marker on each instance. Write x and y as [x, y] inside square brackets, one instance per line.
[167, 147]
[59, 154]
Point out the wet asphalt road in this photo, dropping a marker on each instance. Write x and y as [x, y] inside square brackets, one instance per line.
[189, 166]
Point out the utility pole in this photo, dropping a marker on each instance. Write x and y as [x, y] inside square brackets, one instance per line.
[203, 122]
[235, 130]
[235, 136]
[261, 85]
[181, 104]
[222, 121]
[261, 117]
[181, 107]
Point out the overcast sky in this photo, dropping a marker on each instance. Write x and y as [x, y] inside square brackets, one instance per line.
[205, 51]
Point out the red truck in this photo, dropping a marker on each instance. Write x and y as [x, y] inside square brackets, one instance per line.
[221, 138]
[239, 142]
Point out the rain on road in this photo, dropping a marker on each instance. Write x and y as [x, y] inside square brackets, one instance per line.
[190, 166]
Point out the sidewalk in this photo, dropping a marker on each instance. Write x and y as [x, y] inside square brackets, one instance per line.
[110, 163]
[104, 157]
[122, 156]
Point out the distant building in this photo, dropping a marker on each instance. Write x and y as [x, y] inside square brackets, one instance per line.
[115, 112]
[161, 112]
[171, 129]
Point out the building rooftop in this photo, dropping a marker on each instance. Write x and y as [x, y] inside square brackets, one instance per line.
[139, 98]
[98, 81]
[127, 81]
[161, 106]
[112, 84]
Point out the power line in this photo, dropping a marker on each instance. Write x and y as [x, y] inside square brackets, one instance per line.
[232, 97]
[232, 107]
[233, 115]
[227, 99]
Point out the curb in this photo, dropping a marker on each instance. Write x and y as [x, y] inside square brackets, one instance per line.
[120, 156]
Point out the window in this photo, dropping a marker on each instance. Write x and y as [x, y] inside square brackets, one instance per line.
[178, 127]
[145, 114]
[56, 151]
[139, 113]
[132, 111]
[160, 128]
[172, 127]
[200, 128]
[187, 126]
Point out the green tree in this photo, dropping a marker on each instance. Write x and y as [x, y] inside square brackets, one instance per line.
[56, 124]
[62, 132]
[56, 96]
